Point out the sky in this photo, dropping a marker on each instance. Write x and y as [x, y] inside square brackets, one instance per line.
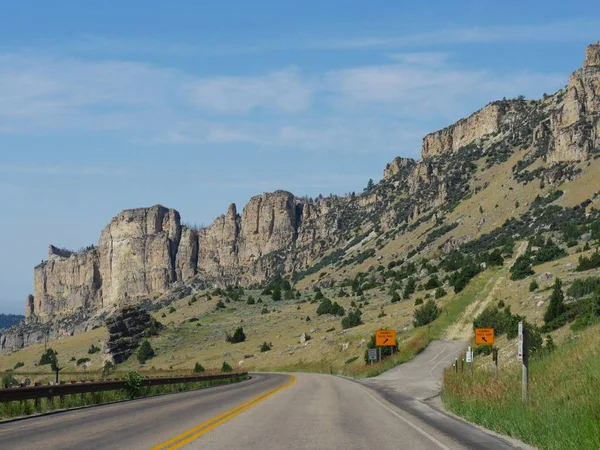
[108, 105]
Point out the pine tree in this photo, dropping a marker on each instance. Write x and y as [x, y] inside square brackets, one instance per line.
[370, 185]
[557, 305]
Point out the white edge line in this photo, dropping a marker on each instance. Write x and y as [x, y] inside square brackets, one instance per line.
[423, 432]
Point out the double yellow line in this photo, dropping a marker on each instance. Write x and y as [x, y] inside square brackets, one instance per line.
[188, 436]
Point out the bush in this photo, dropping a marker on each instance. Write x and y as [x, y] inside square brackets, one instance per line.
[521, 268]
[133, 384]
[226, 367]
[19, 364]
[326, 307]
[586, 263]
[8, 380]
[48, 357]
[93, 349]
[410, 288]
[81, 361]
[533, 286]
[440, 292]
[172, 310]
[145, 352]
[264, 310]
[548, 252]
[418, 301]
[198, 368]
[426, 314]
[276, 294]
[108, 366]
[582, 287]
[556, 307]
[353, 319]
[220, 305]
[432, 283]
[250, 301]
[238, 336]
[395, 297]
[485, 349]
[265, 347]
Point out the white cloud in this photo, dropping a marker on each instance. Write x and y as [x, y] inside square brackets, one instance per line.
[284, 91]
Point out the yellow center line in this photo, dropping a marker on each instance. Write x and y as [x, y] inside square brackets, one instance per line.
[194, 433]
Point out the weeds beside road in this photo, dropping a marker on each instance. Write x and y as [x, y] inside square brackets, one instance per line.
[27, 407]
[564, 402]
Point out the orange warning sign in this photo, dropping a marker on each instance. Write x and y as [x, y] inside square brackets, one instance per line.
[385, 338]
[484, 336]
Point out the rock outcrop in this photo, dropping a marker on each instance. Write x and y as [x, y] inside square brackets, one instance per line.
[126, 329]
[468, 131]
[575, 125]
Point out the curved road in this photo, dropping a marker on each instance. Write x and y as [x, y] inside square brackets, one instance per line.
[267, 412]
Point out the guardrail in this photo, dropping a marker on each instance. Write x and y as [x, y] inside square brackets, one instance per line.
[62, 389]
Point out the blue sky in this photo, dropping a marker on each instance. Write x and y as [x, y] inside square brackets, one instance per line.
[109, 105]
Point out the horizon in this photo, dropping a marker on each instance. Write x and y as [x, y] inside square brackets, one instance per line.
[225, 103]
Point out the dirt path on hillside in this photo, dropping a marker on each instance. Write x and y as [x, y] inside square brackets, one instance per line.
[462, 329]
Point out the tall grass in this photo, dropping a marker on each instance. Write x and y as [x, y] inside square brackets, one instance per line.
[563, 411]
[28, 407]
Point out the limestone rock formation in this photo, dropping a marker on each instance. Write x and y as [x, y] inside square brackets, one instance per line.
[575, 126]
[470, 130]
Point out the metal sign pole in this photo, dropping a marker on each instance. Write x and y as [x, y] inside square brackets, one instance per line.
[495, 356]
[379, 354]
[525, 381]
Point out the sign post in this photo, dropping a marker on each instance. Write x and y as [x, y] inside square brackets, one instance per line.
[495, 356]
[385, 338]
[524, 357]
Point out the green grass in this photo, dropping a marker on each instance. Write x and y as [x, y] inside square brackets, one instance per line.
[27, 407]
[564, 403]
[453, 309]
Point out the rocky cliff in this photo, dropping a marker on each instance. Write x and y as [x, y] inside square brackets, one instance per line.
[145, 253]
[575, 124]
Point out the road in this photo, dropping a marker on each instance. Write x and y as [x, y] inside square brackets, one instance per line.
[267, 412]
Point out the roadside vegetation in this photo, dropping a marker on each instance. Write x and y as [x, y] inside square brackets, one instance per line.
[134, 389]
[563, 389]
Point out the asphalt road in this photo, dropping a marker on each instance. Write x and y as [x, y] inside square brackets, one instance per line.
[270, 411]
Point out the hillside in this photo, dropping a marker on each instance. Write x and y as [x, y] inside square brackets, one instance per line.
[488, 191]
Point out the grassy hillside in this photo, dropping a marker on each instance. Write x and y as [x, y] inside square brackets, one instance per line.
[564, 407]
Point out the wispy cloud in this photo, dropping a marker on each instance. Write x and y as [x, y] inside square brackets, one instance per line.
[284, 90]
[358, 109]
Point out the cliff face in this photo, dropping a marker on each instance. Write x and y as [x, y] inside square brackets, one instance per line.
[467, 131]
[575, 126]
[146, 252]
[65, 282]
[138, 253]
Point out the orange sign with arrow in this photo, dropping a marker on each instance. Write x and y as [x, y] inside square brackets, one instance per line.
[484, 336]
[385, 338]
